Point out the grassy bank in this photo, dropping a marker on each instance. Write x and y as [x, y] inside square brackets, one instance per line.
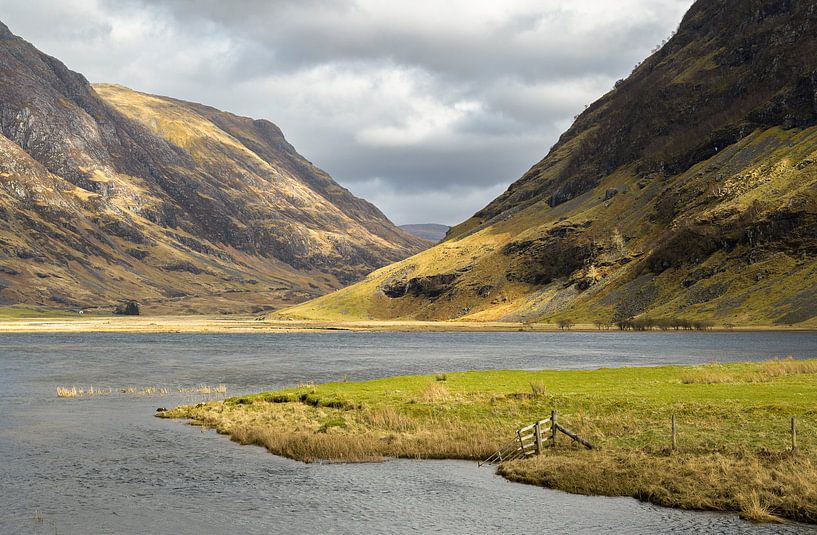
[733, 429]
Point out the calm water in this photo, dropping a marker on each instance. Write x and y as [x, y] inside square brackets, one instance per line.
[106, 465]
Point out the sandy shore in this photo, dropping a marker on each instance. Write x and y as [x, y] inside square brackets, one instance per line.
[254, 324]
[236, 324]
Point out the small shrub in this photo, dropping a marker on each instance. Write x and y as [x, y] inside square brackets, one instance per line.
[130, 308]
[441, 377]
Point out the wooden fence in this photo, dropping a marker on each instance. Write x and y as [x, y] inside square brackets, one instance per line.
[532, 440]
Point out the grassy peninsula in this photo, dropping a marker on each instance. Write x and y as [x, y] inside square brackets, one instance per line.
[734, 443]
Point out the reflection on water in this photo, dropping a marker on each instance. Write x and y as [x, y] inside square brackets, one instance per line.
[106, 465]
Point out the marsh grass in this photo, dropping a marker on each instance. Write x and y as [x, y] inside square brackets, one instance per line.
[754, 509]
[63, 392]
[716, 373]
[760, 487]
[150, 390]
[733, 436]
[74, 392]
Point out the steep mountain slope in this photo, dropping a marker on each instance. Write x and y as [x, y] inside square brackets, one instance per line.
[688, 191]
[109, 194]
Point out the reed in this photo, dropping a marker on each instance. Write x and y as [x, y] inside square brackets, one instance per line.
[63, 392]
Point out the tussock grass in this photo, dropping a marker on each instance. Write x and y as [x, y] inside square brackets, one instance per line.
[387, 419]
[150, 390]
[788, 366]
[716, 373]
[204, 390]
[754, 509]
[733, 436]
[537, 388]
[434, 393]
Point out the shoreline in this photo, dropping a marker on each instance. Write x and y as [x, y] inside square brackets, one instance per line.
[733, 450]
[255, 324]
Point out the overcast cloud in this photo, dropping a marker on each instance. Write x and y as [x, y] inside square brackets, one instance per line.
[429, 109]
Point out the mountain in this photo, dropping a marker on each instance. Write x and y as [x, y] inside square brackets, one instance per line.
[427, 231]
[108, 194]
[688, 191]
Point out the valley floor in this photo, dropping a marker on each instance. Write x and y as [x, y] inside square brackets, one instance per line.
[31, 319]
[734, 444]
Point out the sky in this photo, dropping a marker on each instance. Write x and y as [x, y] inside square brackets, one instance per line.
[427, 108]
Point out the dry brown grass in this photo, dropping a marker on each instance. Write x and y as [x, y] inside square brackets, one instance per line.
[435, 393]
[762, 373]
[389, 419]
[537, 389]
[753, 508]
[761, 487]
[300, 431]
[788, 366]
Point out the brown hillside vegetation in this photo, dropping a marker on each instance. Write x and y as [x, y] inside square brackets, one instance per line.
[107, 194]
[688, 191]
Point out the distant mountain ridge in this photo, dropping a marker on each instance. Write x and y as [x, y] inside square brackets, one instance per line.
[427, 231]
[688, 191]
[109, 194]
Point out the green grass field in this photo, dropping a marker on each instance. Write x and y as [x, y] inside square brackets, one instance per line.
[15, 312]
[733, 428]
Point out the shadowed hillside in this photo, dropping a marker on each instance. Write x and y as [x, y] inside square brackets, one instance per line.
[687, 191]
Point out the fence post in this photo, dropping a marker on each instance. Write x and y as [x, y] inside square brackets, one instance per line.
[553, 414]
[793, 434]
[537, 437]
[674, 435]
